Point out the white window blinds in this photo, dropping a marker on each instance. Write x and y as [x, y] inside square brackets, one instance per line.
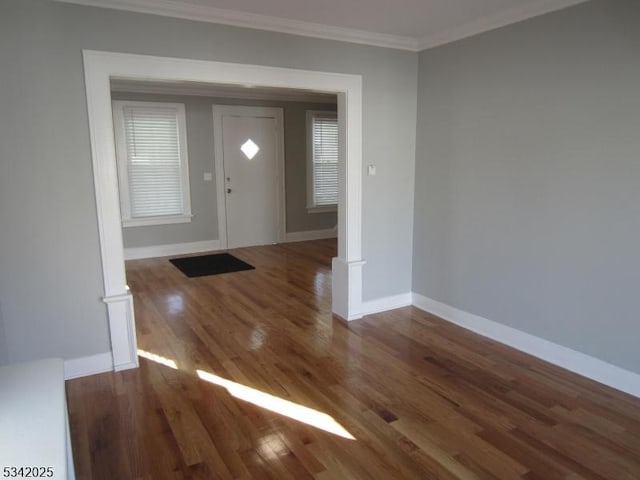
[153, 170]
[324, 161]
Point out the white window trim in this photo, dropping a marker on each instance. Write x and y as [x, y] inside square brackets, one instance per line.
[159, 220]
[311, 207]
[121, 158]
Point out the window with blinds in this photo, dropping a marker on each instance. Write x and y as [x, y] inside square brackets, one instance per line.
[153, 168]
[322, 138]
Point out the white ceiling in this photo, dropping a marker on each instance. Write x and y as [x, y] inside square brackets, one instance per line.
[406, 24]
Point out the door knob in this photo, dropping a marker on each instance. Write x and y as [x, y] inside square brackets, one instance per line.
[228, 190]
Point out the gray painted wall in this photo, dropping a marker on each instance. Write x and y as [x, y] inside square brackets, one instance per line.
[50, 280]
[4, 354]
[204, 224]
[295, 151]
[527, 206]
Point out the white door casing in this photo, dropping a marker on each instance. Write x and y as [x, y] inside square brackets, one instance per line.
[101, 67]
[253, 212]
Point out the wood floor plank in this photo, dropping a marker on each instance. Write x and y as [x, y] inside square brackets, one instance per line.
[422, 398]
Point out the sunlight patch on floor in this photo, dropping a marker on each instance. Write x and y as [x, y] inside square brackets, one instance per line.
[278, 405]
[158, 359]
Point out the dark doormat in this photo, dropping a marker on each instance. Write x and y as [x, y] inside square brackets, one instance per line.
[210, 264]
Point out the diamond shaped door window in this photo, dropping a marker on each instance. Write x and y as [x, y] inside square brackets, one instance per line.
[250, 149]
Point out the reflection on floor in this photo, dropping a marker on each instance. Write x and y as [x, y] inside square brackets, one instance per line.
[247, 375]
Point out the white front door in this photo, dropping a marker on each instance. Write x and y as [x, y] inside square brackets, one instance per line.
[251, 173]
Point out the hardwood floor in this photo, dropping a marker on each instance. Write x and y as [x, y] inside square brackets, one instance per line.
[422, 399]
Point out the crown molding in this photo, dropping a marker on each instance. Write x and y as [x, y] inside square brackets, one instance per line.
[202, 13]
[491, 22]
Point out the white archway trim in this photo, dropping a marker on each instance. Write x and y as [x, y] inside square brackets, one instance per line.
[101, 67]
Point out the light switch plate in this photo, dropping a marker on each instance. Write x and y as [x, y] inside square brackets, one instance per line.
[371, 170]
[208, 176]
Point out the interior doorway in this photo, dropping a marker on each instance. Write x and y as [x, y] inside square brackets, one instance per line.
[102, 67]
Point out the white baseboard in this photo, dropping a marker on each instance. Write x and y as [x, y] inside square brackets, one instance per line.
[171, 249]
[310, 235]
[580, 363]
[126, 366]
[378, 305]
[84, 366]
